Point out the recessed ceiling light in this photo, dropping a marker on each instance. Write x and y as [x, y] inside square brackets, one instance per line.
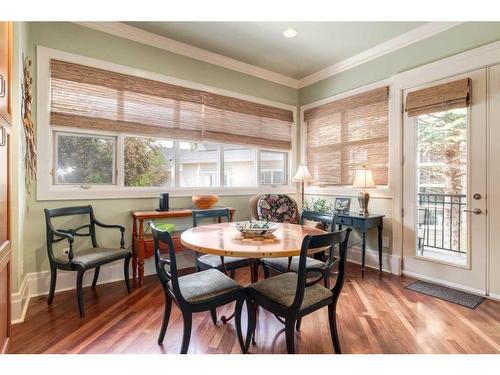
[290, 33]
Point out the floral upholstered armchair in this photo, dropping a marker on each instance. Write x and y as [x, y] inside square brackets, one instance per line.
[279, 208]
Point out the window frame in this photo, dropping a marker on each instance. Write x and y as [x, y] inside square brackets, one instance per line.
[47, 190]
[118, 187]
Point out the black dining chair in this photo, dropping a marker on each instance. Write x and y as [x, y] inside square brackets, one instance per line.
[221, 263]
[290, 296]
[197, 292]
[83, 259]
[315, 267]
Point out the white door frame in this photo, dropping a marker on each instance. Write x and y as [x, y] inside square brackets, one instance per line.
[472, 276]
[477, 58]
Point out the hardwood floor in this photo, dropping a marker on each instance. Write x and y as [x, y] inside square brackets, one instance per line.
[375, 315]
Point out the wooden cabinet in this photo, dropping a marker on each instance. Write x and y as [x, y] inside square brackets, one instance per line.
[143, 244]
[5, 126]
[6, 70]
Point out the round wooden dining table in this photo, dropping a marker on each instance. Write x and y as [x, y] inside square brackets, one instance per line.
[225, 240]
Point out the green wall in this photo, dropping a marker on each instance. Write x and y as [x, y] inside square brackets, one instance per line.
[453, 41]
[458, 39]
[80, 40]
[83, 41]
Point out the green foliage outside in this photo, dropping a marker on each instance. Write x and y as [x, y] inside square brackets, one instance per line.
[84, 160]
[442, 147]
[146, 163]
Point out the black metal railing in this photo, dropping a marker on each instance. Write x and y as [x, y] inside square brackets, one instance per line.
[442, 221]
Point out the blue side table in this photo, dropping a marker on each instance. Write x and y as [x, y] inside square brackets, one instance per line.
[363, 224]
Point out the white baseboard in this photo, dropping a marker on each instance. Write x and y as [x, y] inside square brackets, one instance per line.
[445, 283]
[390, 263]
[36, 284]
[494, 296]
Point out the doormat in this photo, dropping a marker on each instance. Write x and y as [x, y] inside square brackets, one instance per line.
[451, 295]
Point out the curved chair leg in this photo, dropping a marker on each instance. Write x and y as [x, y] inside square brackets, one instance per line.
[213, 314]
[79, 292]
[238, 308]
[289, 333]
[166, 318]
[297, 325]
[266, 271]
[126, 267]
[186, 335]
[96, 276]
[250, 324]
[53, 278]
[333, 328]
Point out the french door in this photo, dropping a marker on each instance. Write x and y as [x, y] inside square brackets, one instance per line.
[445, 191]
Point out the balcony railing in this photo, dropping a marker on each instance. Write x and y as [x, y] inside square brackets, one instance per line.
[442, 222]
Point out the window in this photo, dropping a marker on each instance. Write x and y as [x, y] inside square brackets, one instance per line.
[84, 159]
[137, 135]
[148, 162]
[239, 166]
[198, 164]
[347, 134]
[273, 168]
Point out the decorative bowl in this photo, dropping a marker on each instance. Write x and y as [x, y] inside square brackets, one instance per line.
[205, 201]
[256, 228]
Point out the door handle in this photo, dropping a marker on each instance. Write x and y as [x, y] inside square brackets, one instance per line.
[475, 211]
[2, 86]
[4, 137]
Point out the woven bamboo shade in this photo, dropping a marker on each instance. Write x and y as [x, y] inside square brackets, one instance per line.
[91, 98]
[345, 135]
[439, 98]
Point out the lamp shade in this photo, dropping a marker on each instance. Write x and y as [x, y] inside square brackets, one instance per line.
[302, 174]
[364, 179]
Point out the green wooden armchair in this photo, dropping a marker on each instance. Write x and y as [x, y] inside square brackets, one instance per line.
[83, 259]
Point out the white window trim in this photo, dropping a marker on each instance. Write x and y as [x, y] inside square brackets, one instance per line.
[46, 190]
[386, 191]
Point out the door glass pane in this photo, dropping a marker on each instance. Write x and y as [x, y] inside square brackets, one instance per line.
[198, 164]
[442, 185]
[239, 166]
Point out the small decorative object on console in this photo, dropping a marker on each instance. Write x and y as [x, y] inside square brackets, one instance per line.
[204, 202]
[342, 204]
[164, 206]
[256, 228]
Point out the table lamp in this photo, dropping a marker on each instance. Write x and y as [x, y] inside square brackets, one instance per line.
[363, 180]
[302, 176]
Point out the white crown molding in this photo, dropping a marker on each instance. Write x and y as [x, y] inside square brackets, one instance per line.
[145, 37]
[401, 41]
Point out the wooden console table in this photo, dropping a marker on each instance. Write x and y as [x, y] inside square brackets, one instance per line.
[142, 243]
[363, 224]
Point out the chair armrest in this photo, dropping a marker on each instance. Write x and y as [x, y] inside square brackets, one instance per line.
[63, 235]
[114, 226]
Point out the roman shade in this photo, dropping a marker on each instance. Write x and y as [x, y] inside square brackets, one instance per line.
[439, 98]
[92, 98]
[347, 134]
